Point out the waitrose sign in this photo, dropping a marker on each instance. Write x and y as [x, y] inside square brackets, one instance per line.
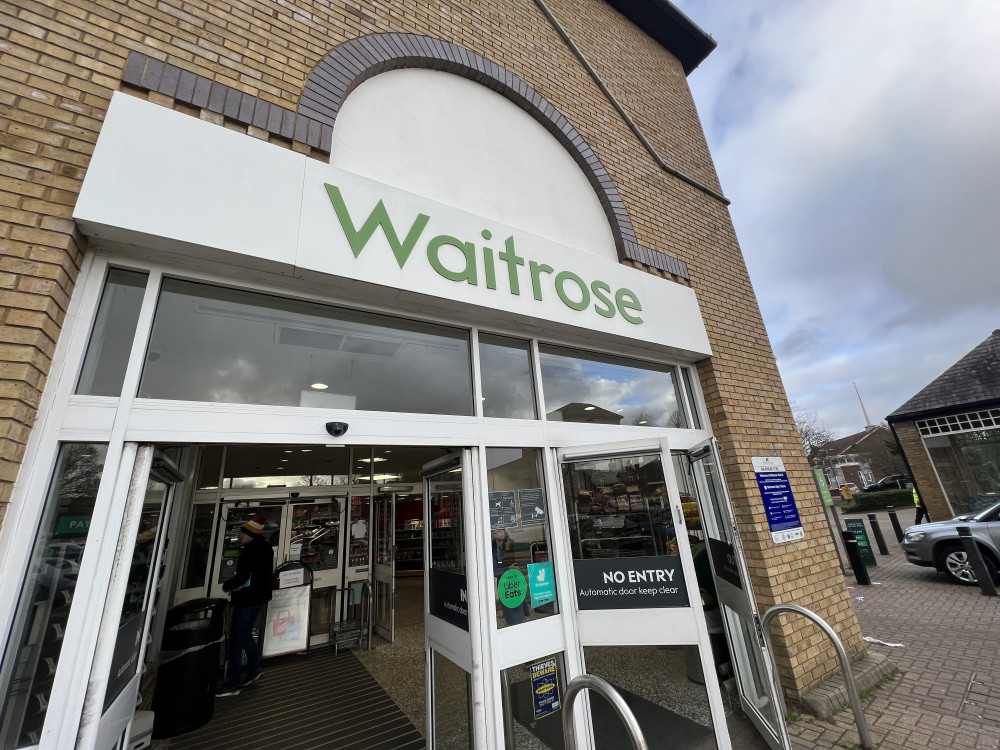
[170, 183]
[464, 262]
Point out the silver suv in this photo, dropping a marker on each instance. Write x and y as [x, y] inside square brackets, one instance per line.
[937, 544]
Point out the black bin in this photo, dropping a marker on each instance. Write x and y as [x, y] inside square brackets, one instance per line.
[189, 667]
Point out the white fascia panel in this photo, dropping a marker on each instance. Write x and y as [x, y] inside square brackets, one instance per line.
[669, 312]
[173, 183]
[168, 181]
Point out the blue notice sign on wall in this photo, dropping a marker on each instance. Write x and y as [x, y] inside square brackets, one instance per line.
[779, 504]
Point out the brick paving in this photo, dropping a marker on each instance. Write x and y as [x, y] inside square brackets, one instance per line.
[947, 694]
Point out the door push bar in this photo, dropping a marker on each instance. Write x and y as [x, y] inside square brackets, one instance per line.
[590, 682]
[845, 664]
[366, 593]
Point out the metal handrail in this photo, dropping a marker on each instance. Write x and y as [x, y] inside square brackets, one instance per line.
[590, 682]
[508, 715]
[845, 664]
[366, 591]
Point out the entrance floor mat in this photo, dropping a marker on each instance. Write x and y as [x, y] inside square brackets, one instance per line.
[306, 703]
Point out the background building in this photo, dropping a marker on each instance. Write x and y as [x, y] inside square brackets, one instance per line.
[950, 434]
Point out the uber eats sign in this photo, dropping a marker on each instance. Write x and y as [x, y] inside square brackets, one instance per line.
[489, 262]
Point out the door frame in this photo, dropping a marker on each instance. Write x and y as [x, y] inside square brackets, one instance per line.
[111, 726]
[740, 600]
[384, 573]
[691, 627]
[463, 648]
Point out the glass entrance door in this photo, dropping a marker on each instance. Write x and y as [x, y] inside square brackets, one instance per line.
[227, 546]
[748, 647]
[639, 614]
[455, 702]
[134, 590]
[384, 564]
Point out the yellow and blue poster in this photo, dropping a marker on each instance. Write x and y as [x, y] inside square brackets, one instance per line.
[545, 687]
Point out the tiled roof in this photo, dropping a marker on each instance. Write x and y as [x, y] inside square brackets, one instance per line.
[845, 445]
[973, 380]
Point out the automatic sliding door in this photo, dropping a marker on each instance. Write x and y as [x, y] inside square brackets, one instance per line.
[456, 714]
[384, 564]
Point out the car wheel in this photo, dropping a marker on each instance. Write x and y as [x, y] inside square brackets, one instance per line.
[955, 562]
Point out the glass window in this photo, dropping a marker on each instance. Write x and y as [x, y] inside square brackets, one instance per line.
[315, 534]
[360, 510]
[202, 528]
[618, 507]
[234, 519]
[532, 695]
[114, 330]
[35, 643]
[967, 464]
[452, 705]
[210, 467]
[585, 387]
[401, 464]
[224, 345]
[519, 526]
[447, 550]
[505, 371]
[262, 466]
[664, 686]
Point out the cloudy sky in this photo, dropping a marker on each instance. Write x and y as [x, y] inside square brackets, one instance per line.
[859, 141]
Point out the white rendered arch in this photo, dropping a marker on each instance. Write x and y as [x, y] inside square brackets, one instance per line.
[452, 140]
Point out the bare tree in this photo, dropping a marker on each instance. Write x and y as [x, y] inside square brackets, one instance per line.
[813, 431]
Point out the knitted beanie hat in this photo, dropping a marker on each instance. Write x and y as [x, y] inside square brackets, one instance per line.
[255, 526]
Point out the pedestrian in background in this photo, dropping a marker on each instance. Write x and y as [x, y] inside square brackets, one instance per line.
[921, 510]
[249, 591]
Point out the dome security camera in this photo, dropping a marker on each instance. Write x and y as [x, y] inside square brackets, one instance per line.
[336, 428]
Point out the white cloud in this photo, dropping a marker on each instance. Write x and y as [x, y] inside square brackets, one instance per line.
[859, 144]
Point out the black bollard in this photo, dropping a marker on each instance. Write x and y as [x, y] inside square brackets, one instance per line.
[975, 558]
[879, 539]
[854, 555]
[895, 524]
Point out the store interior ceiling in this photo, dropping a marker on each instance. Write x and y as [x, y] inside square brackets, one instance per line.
[404, 462]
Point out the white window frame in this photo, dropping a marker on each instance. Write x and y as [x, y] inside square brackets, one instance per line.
[124, 421]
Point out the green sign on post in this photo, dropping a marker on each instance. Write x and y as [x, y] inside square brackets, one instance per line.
[857, 525]
[824, 490]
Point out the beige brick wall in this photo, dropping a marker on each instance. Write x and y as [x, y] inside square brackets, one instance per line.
[924, 475]
[60, 61]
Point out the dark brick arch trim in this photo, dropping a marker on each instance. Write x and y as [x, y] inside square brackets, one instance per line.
[356, 61]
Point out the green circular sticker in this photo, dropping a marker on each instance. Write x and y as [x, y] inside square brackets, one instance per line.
[512, 588]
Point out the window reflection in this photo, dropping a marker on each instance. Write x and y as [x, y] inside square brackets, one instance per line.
[225, 345]
[47, 594]
[585, 387]
[505, 371]
[111, 341]
[519, 526]
[619, 508]
[260, 466]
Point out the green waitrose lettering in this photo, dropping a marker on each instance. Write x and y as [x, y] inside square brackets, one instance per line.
[572, 290]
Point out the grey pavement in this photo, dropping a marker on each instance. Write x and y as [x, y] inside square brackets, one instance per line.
[947, 694]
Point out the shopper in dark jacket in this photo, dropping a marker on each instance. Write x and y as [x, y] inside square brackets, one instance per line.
[249, 591]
